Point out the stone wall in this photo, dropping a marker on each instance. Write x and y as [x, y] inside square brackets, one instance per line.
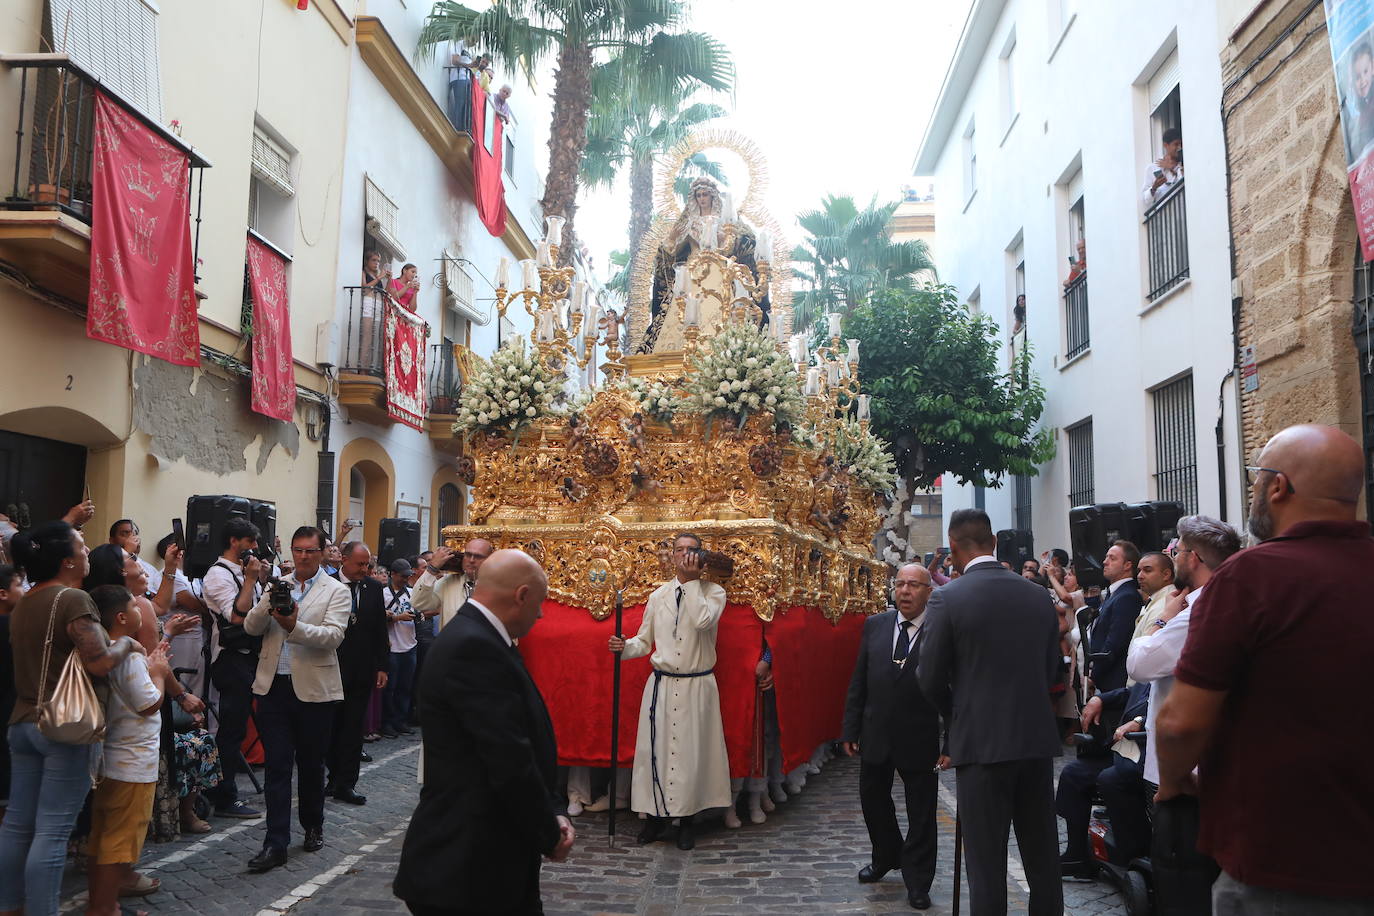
[1292, 224]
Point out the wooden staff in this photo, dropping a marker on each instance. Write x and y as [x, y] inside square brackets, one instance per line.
[615, 712]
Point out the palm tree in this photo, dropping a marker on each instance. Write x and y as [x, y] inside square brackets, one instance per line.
[640, 39]
[848, 255]
[625, 128]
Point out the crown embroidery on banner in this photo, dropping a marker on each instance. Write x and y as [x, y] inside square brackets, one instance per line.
[139, 181]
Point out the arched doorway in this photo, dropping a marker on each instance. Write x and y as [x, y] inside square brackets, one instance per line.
[367, 489]
[449, 499]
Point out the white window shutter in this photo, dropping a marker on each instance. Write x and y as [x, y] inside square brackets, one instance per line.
[1164, 80]
[116, 40]
[383, 218]
[271, 164]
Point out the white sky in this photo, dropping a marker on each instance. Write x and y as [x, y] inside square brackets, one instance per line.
[835, 94]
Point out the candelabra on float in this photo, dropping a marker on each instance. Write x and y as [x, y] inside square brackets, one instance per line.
[832, 384]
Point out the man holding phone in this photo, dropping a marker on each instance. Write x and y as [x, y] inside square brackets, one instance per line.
[681, 766]
[297, 684]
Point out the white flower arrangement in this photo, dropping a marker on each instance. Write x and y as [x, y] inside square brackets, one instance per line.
[742, 372]
[866, 457]
[508, 392]
[655, 398]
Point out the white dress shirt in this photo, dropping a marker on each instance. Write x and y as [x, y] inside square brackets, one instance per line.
[915, 628]
[1171, 177]
[493, 620]
[220, 589]
[1152, 658]
[985, 558]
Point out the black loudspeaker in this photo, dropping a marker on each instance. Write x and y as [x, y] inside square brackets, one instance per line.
[400, 537]
[1167, 515]
[264, 515]
[1087, 544]
[1142, 527]
[1015, 546]
[205, 520]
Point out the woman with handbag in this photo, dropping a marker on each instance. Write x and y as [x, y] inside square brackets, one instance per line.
[57, 721]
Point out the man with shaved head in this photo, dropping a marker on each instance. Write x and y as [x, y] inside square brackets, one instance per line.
[1280, 645]
[489, 807]
[436, 592]
[893, 728]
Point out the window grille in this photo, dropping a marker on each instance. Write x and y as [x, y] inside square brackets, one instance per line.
[1021, 486]
[1081, 492]
[1364, 347]
[1176, 444]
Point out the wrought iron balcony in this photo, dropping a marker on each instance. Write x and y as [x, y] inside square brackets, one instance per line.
[362, 380]
[445, 381]
[1076, 315]
[47, 213]
[1166, 228]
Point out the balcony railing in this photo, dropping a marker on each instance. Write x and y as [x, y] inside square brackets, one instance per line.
[1166, 228]
[1076, 315]
[363, 332]
[54, 138]
[445, 382]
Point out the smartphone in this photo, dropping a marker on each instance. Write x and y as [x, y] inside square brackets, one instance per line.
[179, 533]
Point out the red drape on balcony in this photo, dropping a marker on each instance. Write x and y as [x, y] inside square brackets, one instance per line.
[812, 659]
[487, 150]
[405, 367]
[274, 382]
[143, 294]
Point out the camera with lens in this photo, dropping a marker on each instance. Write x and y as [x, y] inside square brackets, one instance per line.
[279, 597]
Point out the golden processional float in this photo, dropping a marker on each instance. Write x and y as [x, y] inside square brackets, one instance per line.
[719, 423]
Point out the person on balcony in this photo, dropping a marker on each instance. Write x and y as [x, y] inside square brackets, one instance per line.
[372, 310]
[460, 92]
[1080, 267]
[1166, 171]
[500, 103]
[404, 288]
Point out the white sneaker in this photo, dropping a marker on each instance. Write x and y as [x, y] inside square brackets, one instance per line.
[778, 793]
[732, 820]
[574, 808]
[793, 786]
[766, 803]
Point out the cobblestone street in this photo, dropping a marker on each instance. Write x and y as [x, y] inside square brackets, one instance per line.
[803, 860]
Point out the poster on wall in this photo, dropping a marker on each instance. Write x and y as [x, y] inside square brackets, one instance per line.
[1350, 29]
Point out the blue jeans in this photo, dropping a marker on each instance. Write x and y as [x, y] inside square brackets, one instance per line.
[399, 682]
[48, 785]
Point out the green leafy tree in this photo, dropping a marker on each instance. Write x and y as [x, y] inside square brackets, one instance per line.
[641, 42]
[848, 254]
[626, 129]
[940, 395]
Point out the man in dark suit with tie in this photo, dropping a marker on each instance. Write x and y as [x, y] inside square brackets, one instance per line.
[1111, 633]
[489, 808]
[989, 657]
[363, 659]
[890, 724]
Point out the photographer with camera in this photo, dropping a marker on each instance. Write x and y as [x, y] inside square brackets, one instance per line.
[680, 760]
[438, 592]
[301, 621]
[230, 589]
[401, 619]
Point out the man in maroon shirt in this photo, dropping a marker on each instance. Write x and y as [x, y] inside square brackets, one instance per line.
[1280, 645]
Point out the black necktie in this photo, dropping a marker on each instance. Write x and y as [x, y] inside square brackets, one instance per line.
[903, 647]
[677, 613]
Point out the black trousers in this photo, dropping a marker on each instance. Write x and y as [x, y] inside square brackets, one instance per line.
[295, 736]
[1122, 786]
[915, 854]
[993, 799]
[1073, 800]
[232, 674]
[346, 736]
[1183, 876]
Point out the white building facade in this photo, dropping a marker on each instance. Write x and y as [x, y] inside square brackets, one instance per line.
[1044, 133]
[407, 192]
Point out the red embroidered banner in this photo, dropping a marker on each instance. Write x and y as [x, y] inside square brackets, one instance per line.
[143, 294]
[487, 150]
[405, 367]
[274, 381]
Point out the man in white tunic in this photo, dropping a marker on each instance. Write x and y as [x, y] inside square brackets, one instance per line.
[680, 763]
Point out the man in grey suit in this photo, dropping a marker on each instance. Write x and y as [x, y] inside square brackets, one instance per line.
[894, 729]
[989, 656]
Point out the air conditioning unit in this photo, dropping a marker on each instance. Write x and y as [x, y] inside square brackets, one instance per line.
[327, 344]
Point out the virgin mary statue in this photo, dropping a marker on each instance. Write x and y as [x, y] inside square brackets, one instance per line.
[699, 227]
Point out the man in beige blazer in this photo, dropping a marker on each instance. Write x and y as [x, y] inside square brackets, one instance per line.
[297, 685]
[437, 592]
